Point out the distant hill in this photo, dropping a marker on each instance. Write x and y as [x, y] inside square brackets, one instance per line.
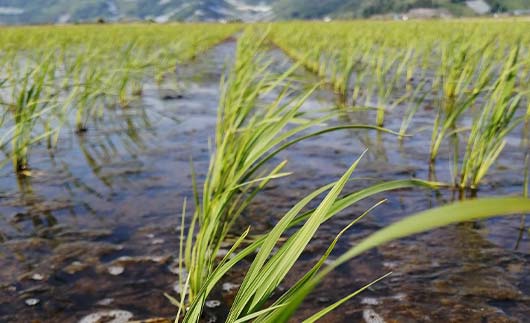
[63, 11]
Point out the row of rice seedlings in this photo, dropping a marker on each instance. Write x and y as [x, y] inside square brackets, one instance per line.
[124, 55]
[275, 255]
[259, 116]
[243, 135]
[52, 74]
[452, 66]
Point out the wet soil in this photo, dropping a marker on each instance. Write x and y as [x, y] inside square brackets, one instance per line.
[95, 226]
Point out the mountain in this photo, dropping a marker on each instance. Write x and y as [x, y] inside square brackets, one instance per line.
[62, 11]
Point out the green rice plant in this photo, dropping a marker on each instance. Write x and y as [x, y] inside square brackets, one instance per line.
[269, 268]
[456, 72]
[361, 73]
[385, 85]
[87, 93]
[29, 103]
[249, 133]
[241, 133]
[415, 100]
[472, 210]
[244, 135]
[496, 120]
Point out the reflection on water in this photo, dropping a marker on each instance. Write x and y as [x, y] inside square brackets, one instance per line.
[95, 226]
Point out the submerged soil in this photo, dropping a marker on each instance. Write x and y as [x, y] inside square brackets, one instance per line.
[95, 227]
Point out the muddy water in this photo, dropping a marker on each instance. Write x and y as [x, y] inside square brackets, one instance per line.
[95, 226]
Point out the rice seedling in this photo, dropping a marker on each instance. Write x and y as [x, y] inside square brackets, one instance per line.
[385, 86]
[269, 268]
[88, 92]
[249, 133]
[29, 102]
[478, 209]
[415, 100]
[454, 79]
[496, 120]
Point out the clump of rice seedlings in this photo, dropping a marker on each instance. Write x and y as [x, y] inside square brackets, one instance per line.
[28, 104]
[247, 133]
[243, 135]
[415, 101]
[384, 84]
[250, 131]
[87, 94]
[496, 120]
[270, 266]
[472, 210]
[456, 73]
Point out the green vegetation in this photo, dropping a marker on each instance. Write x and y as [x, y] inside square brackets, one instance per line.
[50, 71]
[241, 130]
[457, 67]
[471, 75]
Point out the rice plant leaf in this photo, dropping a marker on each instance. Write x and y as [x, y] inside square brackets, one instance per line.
[427, 220]
[258, 313]
[263, 277]
[311, 273]
[317, 316]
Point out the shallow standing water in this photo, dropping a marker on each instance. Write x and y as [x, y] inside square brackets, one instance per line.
[96, 225]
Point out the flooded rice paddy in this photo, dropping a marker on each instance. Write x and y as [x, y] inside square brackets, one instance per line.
[94, 229]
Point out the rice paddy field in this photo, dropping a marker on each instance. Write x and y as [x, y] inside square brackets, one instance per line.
[364, 171]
